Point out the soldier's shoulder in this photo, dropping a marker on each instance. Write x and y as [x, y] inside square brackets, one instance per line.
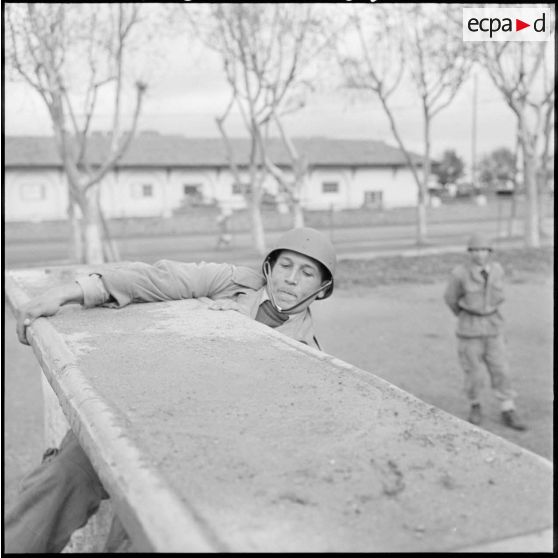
[248, 277]
[460, 270]
[497, 268]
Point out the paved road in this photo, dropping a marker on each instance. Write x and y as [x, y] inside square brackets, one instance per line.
[349, 242]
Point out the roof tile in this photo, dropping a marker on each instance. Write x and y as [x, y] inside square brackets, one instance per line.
[150, 149]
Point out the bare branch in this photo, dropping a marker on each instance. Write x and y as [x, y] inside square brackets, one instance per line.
[230, 152]
[119, 148]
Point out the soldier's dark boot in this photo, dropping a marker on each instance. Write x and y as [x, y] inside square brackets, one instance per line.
[510, 419]
[475, 414]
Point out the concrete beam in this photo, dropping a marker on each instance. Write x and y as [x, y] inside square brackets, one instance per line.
[213, 432]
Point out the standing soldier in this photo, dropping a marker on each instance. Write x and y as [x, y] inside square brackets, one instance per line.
[474, 294]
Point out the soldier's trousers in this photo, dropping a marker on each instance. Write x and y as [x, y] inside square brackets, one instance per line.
[56, 498]
[478, 354]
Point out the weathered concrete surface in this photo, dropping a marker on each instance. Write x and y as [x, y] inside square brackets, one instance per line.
[273, 446]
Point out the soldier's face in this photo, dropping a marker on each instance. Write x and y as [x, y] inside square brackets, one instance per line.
[293, 278]
[479, 256]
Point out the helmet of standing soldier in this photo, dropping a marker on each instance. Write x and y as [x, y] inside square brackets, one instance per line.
[479, 241]
[311, 243]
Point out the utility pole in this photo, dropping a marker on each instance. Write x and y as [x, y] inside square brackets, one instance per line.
[474, 135]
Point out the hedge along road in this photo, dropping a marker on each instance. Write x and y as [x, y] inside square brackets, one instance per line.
[196, 247]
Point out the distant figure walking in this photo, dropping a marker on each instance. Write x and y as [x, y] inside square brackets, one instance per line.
[223, 222]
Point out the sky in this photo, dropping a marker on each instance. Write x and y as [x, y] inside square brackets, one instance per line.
[189, 91]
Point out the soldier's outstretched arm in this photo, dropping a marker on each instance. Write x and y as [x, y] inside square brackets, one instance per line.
[46, 304]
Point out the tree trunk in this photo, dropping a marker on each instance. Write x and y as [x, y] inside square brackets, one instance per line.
[92, 227]
[423, 184]
[256, 221]
[532, 237]
[421, 219]
[542, 197]
[421, 211]
[513, 211]
[298, 214]
[255, 197]
[301, 170]
[110, 249]
[76, 249]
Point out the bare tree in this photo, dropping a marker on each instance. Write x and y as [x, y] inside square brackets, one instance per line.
[420, 42]
[523, 73]
[268, 53]
[69, 54]
[291, 184]
[306, 34]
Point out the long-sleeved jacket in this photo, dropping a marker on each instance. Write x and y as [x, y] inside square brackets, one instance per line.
[130, 282]
[475, 301]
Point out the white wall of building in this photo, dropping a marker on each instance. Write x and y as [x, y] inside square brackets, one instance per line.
[394, 187]
[142, 193]
[42, 194]
[31, 195]
[181, 180]
[134, 193]
[314, 196]
[396, 184]
[224, 191]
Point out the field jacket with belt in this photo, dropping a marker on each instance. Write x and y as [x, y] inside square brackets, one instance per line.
[117, 285]
[475, 300]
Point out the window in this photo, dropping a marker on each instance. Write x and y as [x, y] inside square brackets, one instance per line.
[373, 198]
[330, 187]
[192, 194]
[142, 190]
[192, 189]
[33, 192]
[241, 188]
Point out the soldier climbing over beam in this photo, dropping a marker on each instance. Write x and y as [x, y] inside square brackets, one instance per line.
[64, 491]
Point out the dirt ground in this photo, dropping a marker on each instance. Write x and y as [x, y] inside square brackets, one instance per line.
[402, 333]
[405, 334]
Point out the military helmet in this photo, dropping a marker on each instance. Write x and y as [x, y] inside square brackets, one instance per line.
[479, 241]
[308, 242]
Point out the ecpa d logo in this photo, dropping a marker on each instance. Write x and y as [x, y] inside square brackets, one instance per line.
[506, 24]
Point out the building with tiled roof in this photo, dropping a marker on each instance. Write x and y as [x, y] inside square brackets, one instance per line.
[160, 173]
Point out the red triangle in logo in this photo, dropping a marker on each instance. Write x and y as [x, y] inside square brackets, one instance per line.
[519, 25]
